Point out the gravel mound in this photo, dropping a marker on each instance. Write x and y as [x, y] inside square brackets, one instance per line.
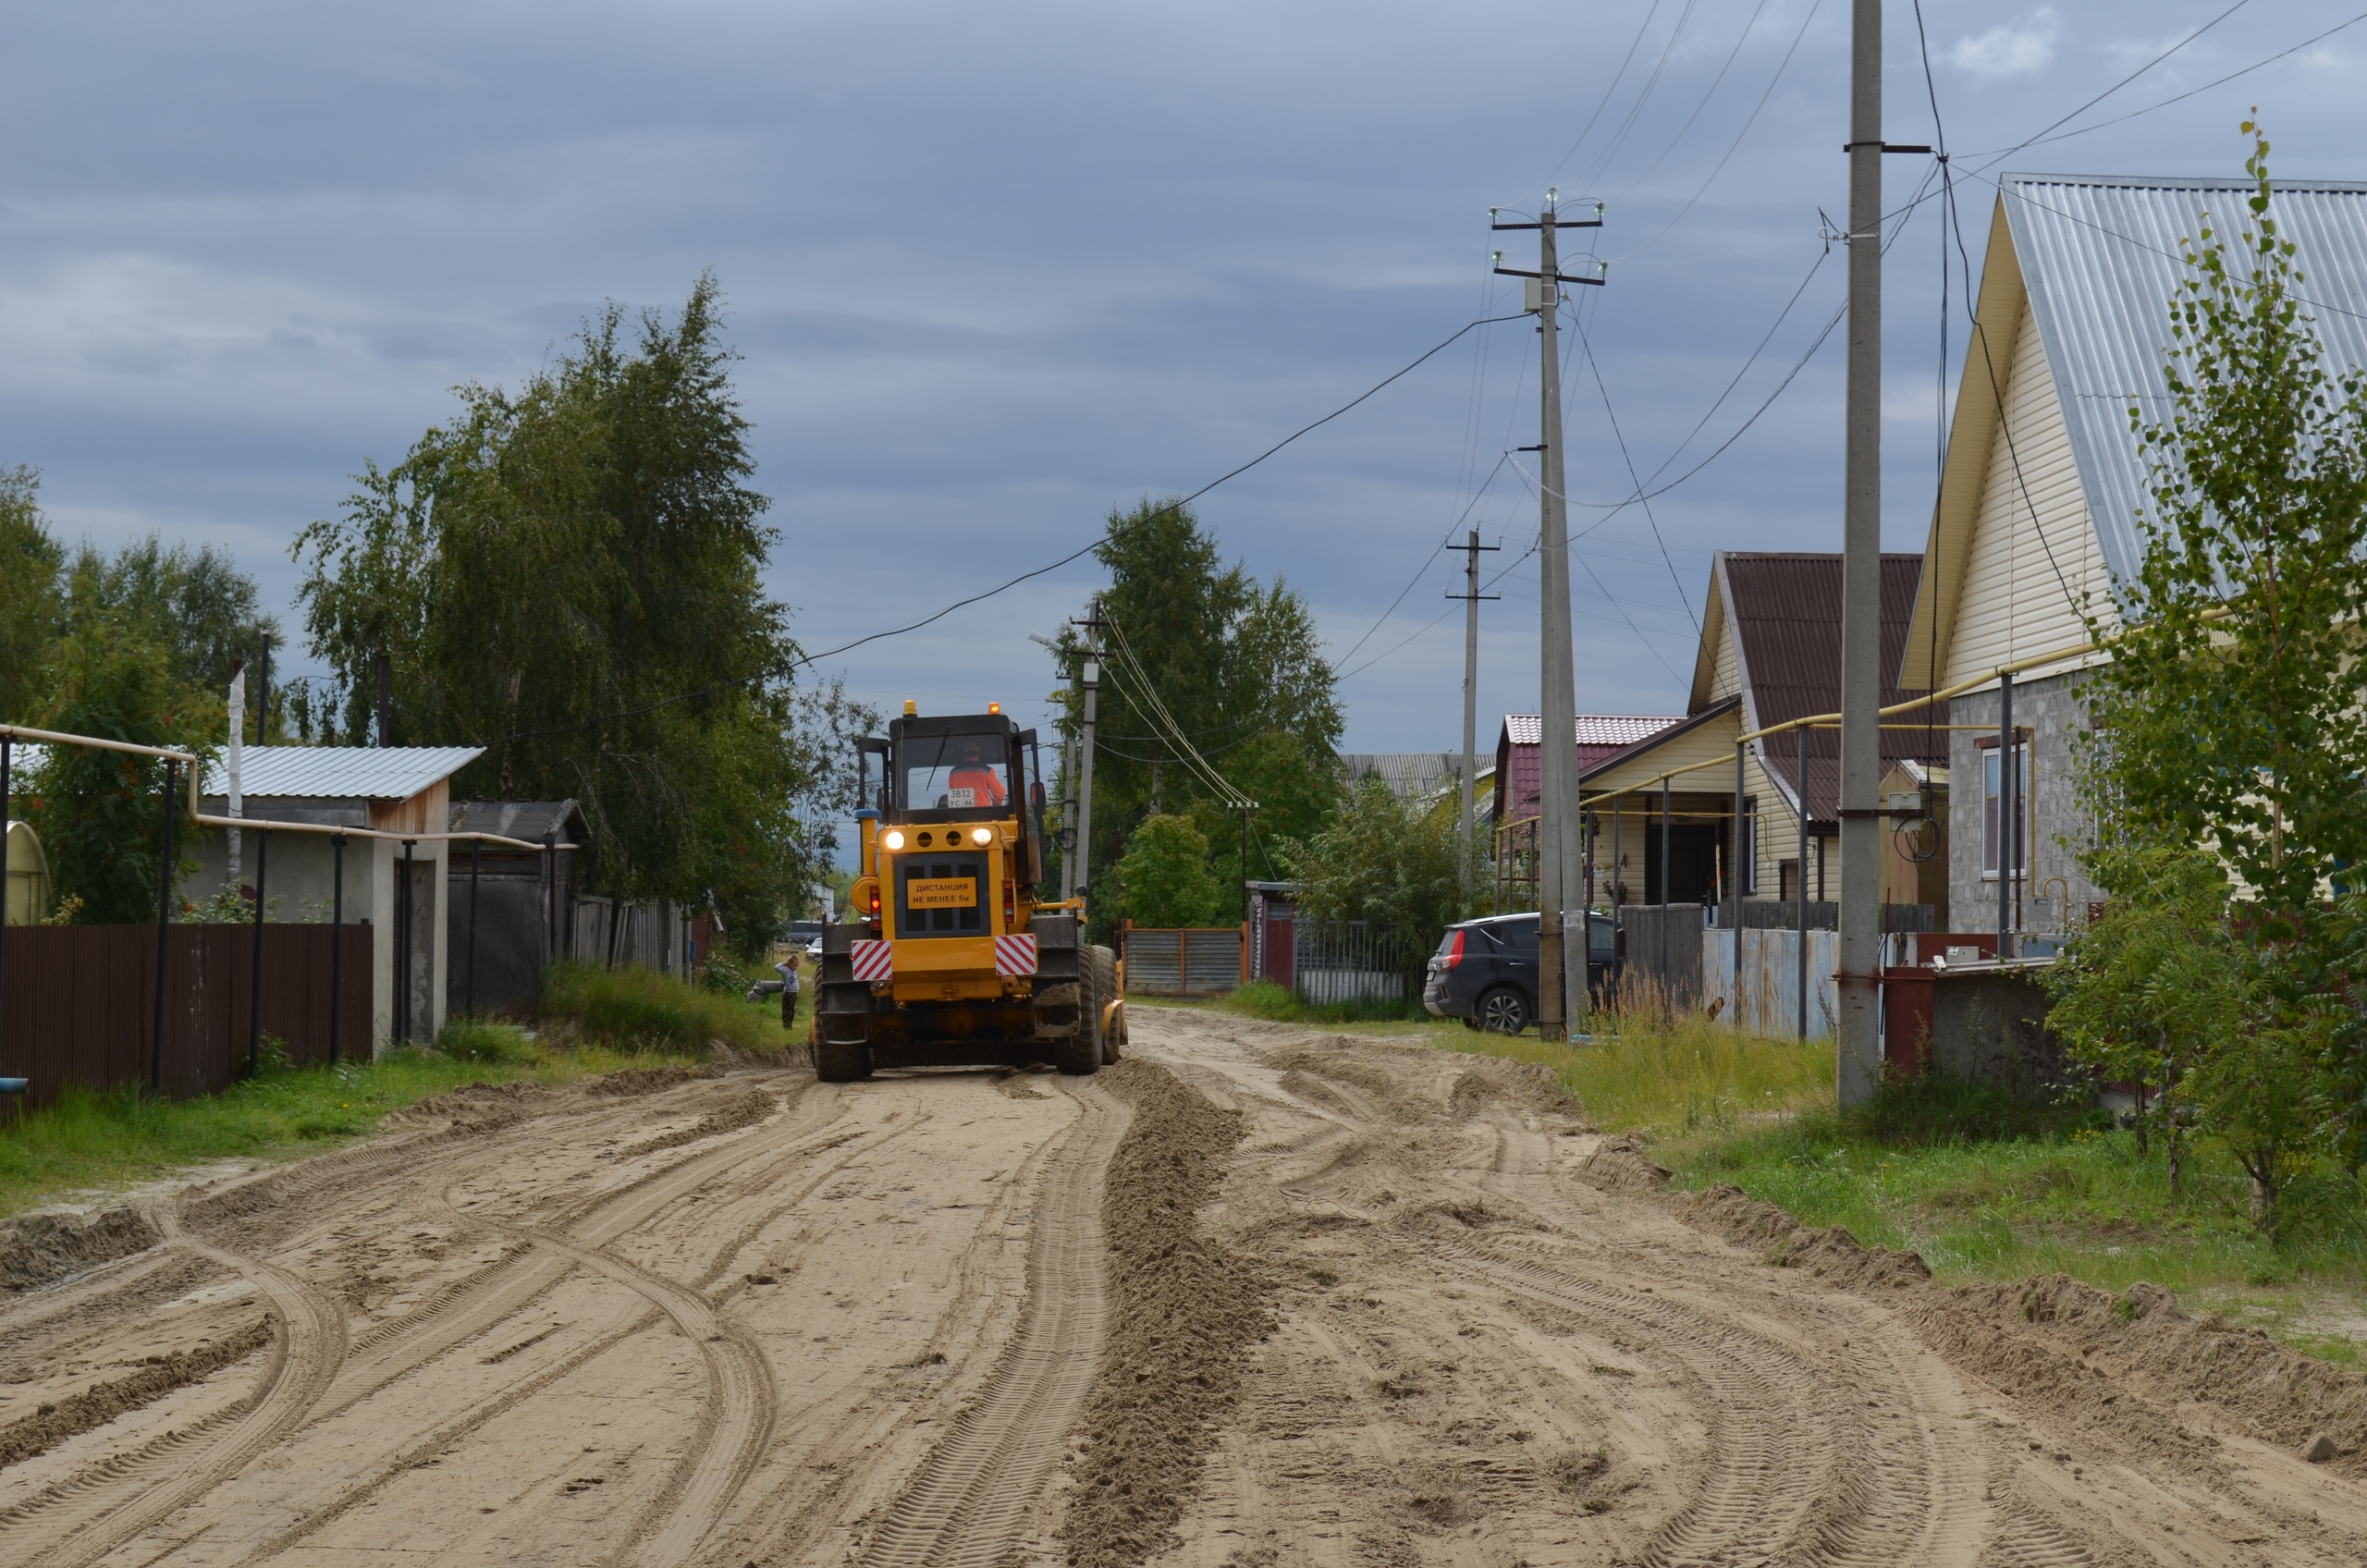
[1185, 1308]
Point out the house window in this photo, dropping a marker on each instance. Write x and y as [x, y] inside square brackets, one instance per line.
[1992, 776]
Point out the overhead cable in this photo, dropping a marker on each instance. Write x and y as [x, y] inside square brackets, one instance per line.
[804, 660]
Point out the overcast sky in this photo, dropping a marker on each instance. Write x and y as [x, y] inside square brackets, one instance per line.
[996, 269]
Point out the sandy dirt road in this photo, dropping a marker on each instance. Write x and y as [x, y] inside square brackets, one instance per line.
[1410, 1312]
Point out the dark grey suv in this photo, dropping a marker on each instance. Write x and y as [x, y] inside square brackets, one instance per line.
[1485, 971]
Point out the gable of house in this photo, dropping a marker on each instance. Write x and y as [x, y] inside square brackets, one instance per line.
[1770, 652]
[2044, 478]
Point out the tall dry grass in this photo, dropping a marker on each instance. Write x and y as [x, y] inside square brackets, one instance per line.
[1650, 1064]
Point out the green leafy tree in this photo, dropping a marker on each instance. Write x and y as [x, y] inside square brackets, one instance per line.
[2227, 718]
[1165, 874]
[32, 605]
[2156, 986]
[1214, 690]
[195, 606]
[1386, 862]
[98, 813]
[568, 575]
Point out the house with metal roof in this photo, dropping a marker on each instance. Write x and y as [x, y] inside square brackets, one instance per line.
[397, 888]
[1412, 777]
[1516, 786]
[2044, 484]
[1663, 809]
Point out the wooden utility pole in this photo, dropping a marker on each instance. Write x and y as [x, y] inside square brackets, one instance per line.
[1470, 597]
[1559, 1000]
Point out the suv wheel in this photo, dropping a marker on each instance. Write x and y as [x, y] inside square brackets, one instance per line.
[1502, 1012]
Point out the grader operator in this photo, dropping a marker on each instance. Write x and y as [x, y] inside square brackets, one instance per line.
[955, 956]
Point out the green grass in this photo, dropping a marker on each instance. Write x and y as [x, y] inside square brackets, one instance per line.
[1982, 1187]
[88, 1143]
[640, 1008]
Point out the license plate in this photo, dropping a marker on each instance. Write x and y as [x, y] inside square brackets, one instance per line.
[941, 893]
[961, 799]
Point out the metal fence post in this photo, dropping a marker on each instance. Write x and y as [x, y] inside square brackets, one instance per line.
[336, 944]
[7, 747]
[254, 979]
[469, 995]
[403, 947]
[1666, 891]
[1617, 860]
[1800, 904]
[164, 938]
[1737, 877]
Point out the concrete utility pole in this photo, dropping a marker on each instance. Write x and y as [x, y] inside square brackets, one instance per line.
[1470, 597]
[1857, 1030]
[1561, 1000]
[1091, 675]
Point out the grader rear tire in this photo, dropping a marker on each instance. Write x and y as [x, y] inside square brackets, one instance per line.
[1078, 1053]
[1105, 975]
[836, 1063]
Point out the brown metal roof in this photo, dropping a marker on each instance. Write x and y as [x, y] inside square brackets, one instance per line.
[1785, 611]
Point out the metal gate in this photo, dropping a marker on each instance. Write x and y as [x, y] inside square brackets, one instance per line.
[1185, 962]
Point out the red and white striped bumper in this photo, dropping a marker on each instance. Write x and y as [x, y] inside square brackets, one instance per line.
[1015, 955]
[871, 961]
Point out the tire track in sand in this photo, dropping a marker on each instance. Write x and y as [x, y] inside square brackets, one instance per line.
[548, 1259]
[971, 1497]
[80, 1525]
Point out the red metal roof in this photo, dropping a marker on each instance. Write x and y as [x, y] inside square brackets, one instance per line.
[1600, 735]
[1784, 610]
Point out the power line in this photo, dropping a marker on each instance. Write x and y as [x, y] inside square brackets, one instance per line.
[1605, 102]
[1633, 478]
[803, 661]
[2182, 97]
[1736, 146]
[1425, 567]
[2124, 82]
[1644, 96]
[1732, 56]
[1621, 607]
[1506, 571]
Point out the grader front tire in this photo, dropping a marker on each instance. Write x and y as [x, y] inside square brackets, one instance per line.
[1078, 1053]
[1105, 976]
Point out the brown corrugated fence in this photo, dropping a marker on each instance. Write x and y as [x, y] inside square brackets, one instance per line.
[79, 1003]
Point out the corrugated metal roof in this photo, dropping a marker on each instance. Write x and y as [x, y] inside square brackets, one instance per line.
[1409, 775]
[2101, 259]
[1599, 735]
[1784, 610]
[373, 772]
[1593, 729]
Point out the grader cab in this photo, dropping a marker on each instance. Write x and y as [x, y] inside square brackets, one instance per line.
[956, 954]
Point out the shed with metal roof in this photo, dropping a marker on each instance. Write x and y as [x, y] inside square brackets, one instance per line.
[400, 890]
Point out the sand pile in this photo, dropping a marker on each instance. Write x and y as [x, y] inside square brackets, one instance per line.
[1183, 1309]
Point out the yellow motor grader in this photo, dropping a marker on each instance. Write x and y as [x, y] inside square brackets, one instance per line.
[954, 956]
